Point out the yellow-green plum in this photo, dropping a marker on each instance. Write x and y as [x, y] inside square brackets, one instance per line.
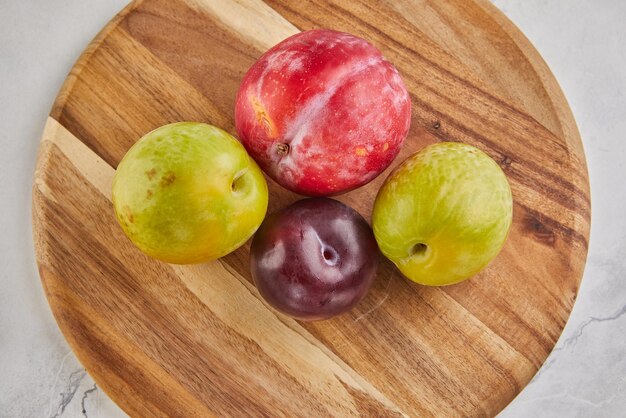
[188, 192]
[443, 214]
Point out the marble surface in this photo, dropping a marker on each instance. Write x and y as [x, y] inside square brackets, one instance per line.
[581, 40]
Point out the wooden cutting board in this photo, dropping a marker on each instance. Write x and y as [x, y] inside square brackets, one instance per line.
[165, 340]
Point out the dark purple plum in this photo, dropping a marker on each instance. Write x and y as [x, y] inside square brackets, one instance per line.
[314, 259]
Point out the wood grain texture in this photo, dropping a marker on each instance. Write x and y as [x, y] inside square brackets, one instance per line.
[165, 340]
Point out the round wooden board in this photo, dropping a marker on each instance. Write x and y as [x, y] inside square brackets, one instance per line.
[166, 340]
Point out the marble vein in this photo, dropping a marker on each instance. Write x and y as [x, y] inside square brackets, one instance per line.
[566, 395]
[571, 341]
[579, 331]
[85, 395]
[70, 390]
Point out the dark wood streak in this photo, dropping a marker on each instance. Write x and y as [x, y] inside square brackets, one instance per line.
[367, 406]
[555, 225]
[540, 230]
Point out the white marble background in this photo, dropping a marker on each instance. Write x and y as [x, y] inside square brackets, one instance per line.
[583, 42]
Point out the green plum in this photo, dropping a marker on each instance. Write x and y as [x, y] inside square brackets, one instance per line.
[443, 214]
[188, 192]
